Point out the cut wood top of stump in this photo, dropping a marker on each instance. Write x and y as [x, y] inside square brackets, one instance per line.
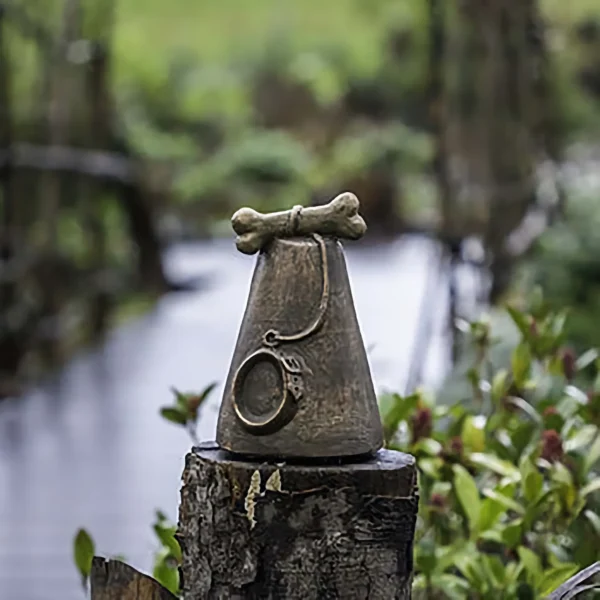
[382, 460]
[386, 473]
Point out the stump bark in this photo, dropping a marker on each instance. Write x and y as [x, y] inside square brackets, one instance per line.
[316, 532]
[115, 580]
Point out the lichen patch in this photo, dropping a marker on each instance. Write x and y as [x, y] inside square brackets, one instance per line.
[249, 502]
[274, 482]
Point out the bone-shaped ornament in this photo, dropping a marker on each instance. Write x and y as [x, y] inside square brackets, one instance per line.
[339, 218]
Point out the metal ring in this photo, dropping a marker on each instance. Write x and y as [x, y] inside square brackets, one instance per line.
[288, 406]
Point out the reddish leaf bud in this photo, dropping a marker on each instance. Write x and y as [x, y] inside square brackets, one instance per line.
[568, 359]
[438, 500]
[421, 424]
[552, 448]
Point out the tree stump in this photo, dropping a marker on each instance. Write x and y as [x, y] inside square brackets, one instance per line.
[310, 531]
[115, 580]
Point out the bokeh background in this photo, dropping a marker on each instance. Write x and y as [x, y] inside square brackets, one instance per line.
[131, 130]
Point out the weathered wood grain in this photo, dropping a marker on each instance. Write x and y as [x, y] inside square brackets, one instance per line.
[311, 532]
[116, 580]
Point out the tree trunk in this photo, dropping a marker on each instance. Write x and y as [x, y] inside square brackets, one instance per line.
[310, 532]
[12, 346]
[490, 133]
[97, 84]
[8, 201]
[437, 111]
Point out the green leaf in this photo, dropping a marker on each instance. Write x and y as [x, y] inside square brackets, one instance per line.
[525, 591]
[166, 572]
[471, 568]
[520, 320]
[425, 561]
[500, 385]
[532, 564]
[447, 556]
[189, 403]
[586, 359]
[207, 391]
[161, 516]
[473, 434]
[420, 582]
[83, 553]
[537, 507]
[395, 410]
[452, 586]
[592, 456]
[576, 394]
[537, 306]
[561, 474]
[513, 533]
[495, 464]
[427, 446]
[582, 438]
[174, 414]
[566, 489]
[195, 401]
[555, 577]
[521, 364]
[522, 435]
[180, 399]
[166, 535]
[165, 531]
[555, 366]
[495, 570]
[554, 421]
[590, 488]
[525, 407]
[474, 378]
[531, 480]
[468, 496]
[533, 486]
[513, 571]
[431, 466]
[491, 511]
[558, 323]
[507, 502]
[491, 535]
[594, 520]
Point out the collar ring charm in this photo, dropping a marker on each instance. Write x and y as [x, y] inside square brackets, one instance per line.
[265, 420]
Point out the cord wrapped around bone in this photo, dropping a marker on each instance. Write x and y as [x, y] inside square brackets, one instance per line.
[339, 218]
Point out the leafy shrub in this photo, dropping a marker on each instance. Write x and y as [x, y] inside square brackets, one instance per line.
[509, 481]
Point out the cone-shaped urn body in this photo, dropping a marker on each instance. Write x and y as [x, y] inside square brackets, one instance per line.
[299, 384]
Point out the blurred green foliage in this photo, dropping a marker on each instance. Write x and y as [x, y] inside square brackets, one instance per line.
[566, 265]
[186, 75]
[186, 97]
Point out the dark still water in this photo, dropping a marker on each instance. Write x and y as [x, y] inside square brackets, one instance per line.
[89, 448]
